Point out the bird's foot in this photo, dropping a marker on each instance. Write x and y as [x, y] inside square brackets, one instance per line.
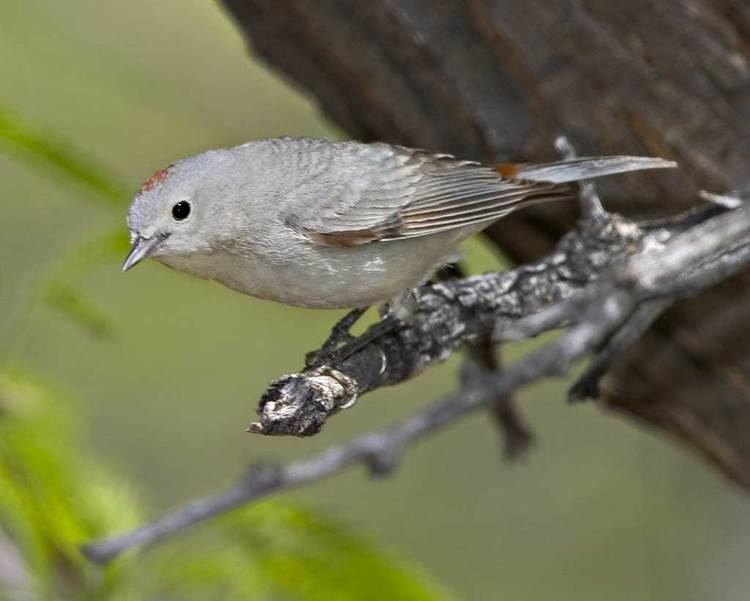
[339, 337]
[341, 344]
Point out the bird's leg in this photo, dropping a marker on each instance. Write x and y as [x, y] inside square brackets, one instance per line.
[338, 353]
[341, 344]
[340, 336]
[341, 332]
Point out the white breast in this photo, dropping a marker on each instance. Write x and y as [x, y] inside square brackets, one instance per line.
[325, 277]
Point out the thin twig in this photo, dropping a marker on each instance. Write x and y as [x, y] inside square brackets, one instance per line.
[599, 313]
[380, 451]
[587, 194]
[518, 303]
[587, 385]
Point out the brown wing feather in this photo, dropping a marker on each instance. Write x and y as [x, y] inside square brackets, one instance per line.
[402, 193]
[475, 195]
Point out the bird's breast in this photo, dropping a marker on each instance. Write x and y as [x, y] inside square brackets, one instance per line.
[316, 276]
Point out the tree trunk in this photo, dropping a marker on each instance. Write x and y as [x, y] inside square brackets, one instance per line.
[499, 80]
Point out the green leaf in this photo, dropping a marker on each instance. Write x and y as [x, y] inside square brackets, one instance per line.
[310, 558]
[203, 569]
[58, 158]
[54, 497]
[61, 292]
[51, 498]
[80, 310]
[110, 245]
[55, 157]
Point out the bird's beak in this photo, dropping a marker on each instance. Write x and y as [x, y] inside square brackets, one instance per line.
[142, 248]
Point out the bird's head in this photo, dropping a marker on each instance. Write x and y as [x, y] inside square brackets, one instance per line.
[173, 213]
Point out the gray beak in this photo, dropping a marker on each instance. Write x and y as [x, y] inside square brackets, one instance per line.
[142, 248]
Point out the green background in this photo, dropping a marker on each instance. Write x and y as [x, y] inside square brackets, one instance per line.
[601, 509]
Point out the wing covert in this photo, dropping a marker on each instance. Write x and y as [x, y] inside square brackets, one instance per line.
[380, 192]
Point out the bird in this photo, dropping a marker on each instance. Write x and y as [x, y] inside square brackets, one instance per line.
[335, 224]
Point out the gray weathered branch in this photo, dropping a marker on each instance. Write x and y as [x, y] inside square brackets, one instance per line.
[447, 316]
[500, 79]
[454, 313]
[652, 268]
[488, 79]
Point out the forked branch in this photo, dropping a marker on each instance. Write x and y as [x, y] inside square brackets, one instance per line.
[605, 282]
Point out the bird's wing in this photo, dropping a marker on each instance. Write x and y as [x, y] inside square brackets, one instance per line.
[389, 193]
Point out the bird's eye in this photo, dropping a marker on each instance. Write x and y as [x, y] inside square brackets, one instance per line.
[181, 210]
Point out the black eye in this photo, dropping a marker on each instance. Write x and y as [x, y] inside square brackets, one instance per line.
[181, 210]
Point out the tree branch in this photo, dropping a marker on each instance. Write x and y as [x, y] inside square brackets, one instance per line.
[660, 267]
[476, 78]
[453, 313]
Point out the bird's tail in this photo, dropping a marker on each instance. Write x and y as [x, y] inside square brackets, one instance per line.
[572, 170]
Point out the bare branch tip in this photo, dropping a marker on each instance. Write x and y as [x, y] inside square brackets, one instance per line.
[729, 200]
[564, 147]
[98, 553]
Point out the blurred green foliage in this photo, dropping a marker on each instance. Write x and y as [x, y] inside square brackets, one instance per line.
[308, 557]
[57, 157]
[53, 498]
[54, 157]
[60, 289]
[602, 510]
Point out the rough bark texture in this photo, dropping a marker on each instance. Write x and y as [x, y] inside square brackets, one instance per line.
[447, 316]
[499, 79]
[604, 285]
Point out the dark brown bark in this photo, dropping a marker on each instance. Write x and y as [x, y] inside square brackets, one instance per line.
[500, 79]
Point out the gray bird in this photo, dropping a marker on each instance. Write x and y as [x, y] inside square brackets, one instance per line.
[326, 224]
